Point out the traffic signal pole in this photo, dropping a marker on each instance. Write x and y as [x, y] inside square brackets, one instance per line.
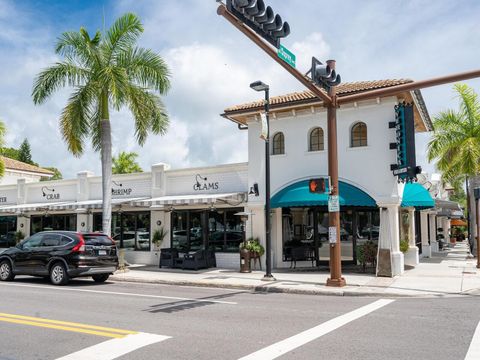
[335, 278]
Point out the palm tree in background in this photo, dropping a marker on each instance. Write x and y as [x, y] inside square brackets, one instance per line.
[125, 163]
[455, 144]
[107, 72]
[3, 132]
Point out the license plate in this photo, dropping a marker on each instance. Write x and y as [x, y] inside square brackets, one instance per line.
[102, 252]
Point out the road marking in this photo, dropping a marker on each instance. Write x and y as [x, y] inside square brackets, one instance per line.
[121, 293]
[65, 326]
[282, 347]
[473, 352]
[112, 349]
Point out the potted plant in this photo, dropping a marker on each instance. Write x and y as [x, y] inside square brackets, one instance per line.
[256, 250]
[158, 236]
[404, 245]
[19, 236]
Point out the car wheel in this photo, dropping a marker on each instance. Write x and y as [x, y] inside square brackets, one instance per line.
[58, 274]
[100, 278]
[6, 272]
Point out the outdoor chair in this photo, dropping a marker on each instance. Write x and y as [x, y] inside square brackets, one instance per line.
[302, 253]
[211, 259]
[195, 260]
[168, 257]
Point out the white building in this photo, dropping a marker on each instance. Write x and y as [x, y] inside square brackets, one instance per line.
[197, 206]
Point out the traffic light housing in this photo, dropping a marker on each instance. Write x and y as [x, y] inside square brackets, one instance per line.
[324, 75]
[261, 19]
[318, 186]
[406, 168]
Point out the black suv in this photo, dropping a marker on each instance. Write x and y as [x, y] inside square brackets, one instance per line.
[61, 255]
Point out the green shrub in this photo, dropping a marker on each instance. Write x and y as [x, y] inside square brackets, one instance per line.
[404, 246]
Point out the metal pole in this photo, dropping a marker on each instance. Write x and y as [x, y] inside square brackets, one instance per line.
[478, 233]
[268, 240]
[335, 278]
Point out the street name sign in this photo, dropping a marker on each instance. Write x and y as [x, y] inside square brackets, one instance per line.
[333, 203]
[286, 55]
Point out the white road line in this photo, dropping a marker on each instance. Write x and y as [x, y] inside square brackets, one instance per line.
[121, 293]
[291, 343]
[473, 352]
[112, 349]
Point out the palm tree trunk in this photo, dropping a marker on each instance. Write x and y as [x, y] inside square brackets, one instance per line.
[106, 151]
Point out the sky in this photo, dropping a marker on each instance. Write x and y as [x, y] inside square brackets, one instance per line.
[212, 65]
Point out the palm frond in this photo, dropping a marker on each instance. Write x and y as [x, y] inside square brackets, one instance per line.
[79, 46]
[121, 36]
[55, 77]
[146, 68]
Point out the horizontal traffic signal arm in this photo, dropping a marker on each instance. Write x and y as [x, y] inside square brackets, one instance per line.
[307, 82]
[415, 85]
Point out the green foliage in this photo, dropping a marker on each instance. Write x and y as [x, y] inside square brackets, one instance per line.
[24, 153]
[455, 144]
[404, 246]
[125, 163]
[159, 235]
[19, 236]
[367, 253]
[57, 175]
[11, 153]
[253, 245]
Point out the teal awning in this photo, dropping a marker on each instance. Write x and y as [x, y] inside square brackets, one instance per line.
[415, 195]
[298, 194]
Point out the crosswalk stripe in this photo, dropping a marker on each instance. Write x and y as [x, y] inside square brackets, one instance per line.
[473, 352]
[282, 347]
[114, 348]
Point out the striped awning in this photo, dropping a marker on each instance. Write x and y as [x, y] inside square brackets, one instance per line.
[20, 208]
[205, 199]
[93, 204]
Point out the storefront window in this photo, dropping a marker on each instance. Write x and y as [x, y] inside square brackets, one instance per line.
[67, 222]
[8, 226]
[130, 229]
[308, 228]
[220, 230]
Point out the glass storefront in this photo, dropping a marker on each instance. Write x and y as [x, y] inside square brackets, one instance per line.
[130, 230]
[66, 222]
[8, 227]
[308, 227]
[219, 229]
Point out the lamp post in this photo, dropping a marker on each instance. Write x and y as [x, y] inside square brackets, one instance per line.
[260, 86]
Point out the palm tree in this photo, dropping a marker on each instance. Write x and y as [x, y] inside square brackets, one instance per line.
[455, 144]
[107, 72]
[125, 163]
[3, 131]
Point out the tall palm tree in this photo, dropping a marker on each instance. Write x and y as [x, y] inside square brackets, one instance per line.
[125, 163]
[107, 72]
[455, 144]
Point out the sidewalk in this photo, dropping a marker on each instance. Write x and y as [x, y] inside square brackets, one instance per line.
[448, 273]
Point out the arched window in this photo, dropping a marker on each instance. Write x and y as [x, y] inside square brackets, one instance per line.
[278, 144]
[316, 142]
[358, 136]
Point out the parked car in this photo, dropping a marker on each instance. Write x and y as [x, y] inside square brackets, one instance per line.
[61, 255]
[8, 239]
[143, 240]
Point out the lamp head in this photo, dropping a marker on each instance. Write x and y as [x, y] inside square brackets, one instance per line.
[259, 86]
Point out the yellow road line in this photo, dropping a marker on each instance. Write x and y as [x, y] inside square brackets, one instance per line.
[65, 326]
[67, 323]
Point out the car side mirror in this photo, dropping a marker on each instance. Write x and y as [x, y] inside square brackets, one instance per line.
[19, 246]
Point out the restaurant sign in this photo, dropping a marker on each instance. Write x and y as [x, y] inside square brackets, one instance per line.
[119, 190]
[202, 183]
[50, 193]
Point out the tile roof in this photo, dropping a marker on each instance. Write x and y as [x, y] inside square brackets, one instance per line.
[21, 166]
[308, 96]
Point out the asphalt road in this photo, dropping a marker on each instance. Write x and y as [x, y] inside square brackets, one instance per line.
[146, 321]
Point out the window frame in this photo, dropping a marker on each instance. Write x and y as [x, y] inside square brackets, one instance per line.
[282, 144]
[321, 139]
[356, 138]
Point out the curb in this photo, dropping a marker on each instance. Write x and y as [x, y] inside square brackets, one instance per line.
[283, 290]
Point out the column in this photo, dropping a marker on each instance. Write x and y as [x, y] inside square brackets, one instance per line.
[391, 259]
[433, 232]
[426, 248]
[411, 256]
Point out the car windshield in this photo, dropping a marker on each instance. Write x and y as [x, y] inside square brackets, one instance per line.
[96, 239]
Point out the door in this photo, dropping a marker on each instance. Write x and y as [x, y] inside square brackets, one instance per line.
[23, 259]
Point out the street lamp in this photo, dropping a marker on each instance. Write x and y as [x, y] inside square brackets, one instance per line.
[260, 86]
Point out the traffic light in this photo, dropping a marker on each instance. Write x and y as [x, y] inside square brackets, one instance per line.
[261, 19]
[324, 75]
[317, 186]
